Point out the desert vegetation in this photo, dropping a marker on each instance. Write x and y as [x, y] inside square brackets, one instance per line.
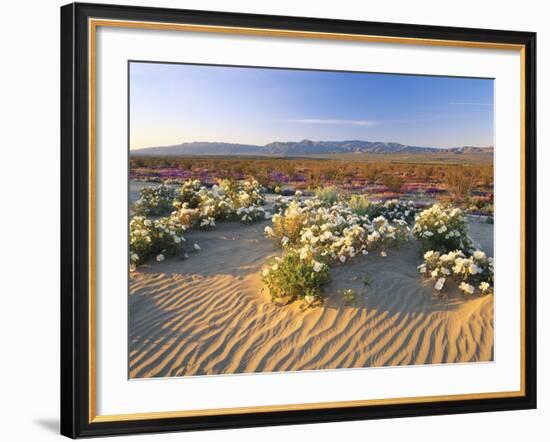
[466, 185]
[360, 208]
[191, 206]
[305, 241]
[317, 233]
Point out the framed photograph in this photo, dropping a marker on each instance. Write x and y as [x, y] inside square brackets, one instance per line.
[274, 220]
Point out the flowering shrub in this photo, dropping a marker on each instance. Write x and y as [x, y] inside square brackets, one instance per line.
[280, 203]
[335, 233]
[391, 210]
[198, 207]
[207, 223]
[150, 238]
[187, 217]
[228, 200]
[254, 191]
[309, 232]
[195, 207]
[473, 274]
[287, 227]
[395, 209]
[290, 278]
[240, 194]
[154, 201]
[252, 213]
[442, 228]
[189, 193]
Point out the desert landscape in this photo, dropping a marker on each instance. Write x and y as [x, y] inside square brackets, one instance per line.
[292, 220]
[207, 309]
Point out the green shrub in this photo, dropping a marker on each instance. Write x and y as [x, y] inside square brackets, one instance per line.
[443, 229]
[154, 201]
[360, 205]
[154, 238]
[348, 295]
[392, 182]
[471, 274]
[460, 181]
[290, 278]
[398, 210]
[328, 195]
[188, 193]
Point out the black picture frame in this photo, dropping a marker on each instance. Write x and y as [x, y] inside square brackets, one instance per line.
[75, 219]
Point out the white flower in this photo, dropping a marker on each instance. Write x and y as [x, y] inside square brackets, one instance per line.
[428, 254]
[478, 254]
[134, 257]
[484, 286]
[196, 246]
[382, 253]
[365, 252]
[284, 241]
[177, 239]
[265, 272]
[309, 299]
[317, 266]
[474, 269]
[439, 284]
[422, 268]
[268, 231]
[445, 271]
[160, 257]
[342, 258]
[466, 288]
[275, 267]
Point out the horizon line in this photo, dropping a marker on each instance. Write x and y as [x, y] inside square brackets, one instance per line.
[307, 139]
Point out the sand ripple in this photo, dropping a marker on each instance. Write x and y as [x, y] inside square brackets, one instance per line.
[208, 315]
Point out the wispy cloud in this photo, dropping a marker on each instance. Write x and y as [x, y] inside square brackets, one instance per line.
[465, 103]
[365, 123]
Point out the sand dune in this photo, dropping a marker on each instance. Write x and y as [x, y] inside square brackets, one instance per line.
[208, 314]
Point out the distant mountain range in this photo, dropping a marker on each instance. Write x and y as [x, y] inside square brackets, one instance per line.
[304, 147]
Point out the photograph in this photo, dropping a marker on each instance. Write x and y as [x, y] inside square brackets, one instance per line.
[289, 220]
[277, 220]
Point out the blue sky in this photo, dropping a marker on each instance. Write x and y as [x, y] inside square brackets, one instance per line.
[175, 103]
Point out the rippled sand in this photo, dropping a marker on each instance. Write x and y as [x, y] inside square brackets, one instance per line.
[209, 314]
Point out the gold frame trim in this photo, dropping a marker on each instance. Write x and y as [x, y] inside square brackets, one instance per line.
[93, 24]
